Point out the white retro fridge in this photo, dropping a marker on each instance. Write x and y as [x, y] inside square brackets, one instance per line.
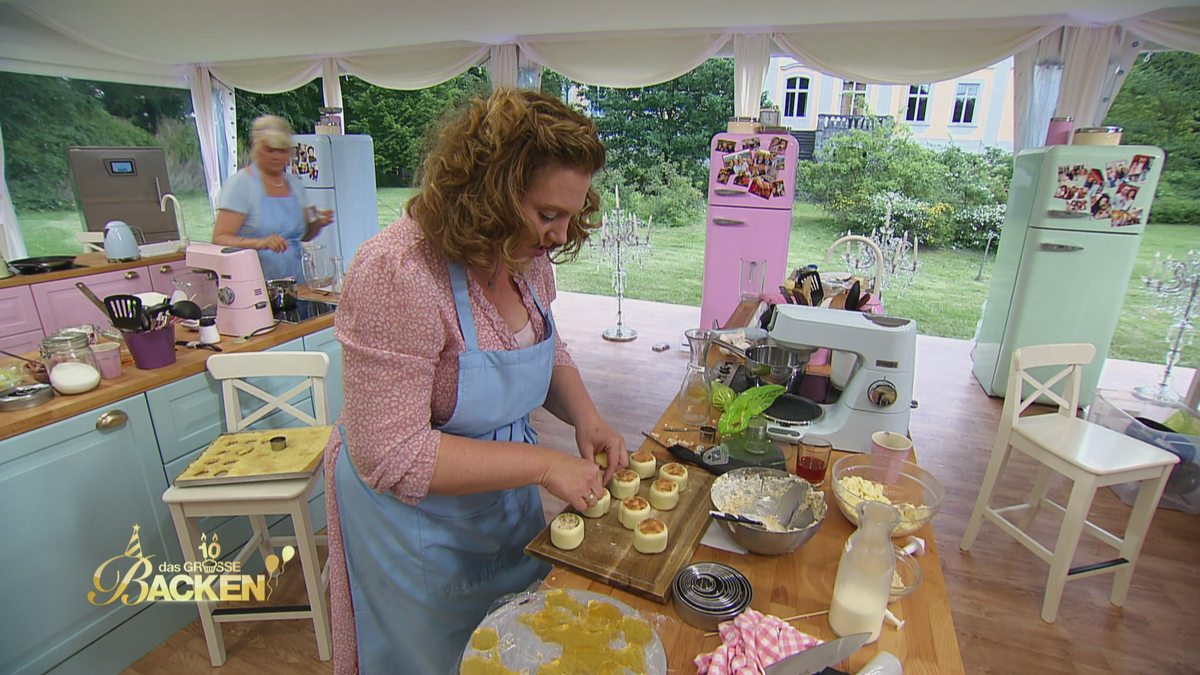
[339, 172]
[1074, 223]
[751, 185]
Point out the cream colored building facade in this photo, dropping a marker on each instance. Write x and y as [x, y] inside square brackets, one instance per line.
[973, 111]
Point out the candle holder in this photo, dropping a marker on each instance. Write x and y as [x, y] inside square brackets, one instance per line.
[898, 253]
[1174, 284]
[621, 236]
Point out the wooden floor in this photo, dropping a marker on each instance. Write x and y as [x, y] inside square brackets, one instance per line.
[995, 590]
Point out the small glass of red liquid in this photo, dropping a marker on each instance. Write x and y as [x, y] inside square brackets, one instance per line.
[812, 459]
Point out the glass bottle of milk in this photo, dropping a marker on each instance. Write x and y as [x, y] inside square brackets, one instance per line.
[864, 578]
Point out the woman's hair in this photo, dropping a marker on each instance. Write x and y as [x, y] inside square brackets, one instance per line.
[480, 166]
[270, 131]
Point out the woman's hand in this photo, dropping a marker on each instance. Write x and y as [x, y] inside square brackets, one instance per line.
[574, 480]
[594, 436]
[274, 242]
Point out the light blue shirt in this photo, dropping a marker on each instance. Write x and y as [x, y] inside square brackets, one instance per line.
[243, 193]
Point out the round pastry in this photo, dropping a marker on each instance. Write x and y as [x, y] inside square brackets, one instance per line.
[624, 483]
[600, 508]
[566, 531]
[601, 458]
[633, 511]
[676, 472]
[664, 494]
[643, 463]
[650, 536]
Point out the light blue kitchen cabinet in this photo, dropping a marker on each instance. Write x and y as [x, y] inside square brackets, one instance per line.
[324, 341]
[72, 493]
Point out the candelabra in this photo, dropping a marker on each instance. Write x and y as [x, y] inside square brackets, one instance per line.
[898, 255]
[621, 235]
[1175, 284]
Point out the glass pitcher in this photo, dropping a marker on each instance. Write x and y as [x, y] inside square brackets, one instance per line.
[315, 261]
[695, 408]
[864, 577]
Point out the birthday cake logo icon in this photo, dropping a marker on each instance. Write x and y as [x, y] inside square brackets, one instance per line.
[212, 551]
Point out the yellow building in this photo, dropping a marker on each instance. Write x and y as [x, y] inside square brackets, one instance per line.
[973, 111]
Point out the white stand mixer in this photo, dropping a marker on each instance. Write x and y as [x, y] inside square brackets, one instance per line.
[879, 392]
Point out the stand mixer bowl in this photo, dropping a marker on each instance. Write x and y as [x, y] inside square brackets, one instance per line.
[201, 288]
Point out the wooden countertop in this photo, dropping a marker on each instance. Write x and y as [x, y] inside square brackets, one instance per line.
[802, 583]
[133, 381]
[91, 263]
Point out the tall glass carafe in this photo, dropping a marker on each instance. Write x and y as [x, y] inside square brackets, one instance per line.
[315, 262]
[864, 577]
[695, 408]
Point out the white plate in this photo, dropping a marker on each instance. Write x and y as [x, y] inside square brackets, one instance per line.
[521, 649]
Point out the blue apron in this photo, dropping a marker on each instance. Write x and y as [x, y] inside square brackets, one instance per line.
[422, 577]
[283, 216]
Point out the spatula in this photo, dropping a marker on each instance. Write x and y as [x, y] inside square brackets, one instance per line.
[126, 313]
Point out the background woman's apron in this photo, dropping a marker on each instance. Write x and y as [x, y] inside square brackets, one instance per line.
[283, 216]
[422, 577]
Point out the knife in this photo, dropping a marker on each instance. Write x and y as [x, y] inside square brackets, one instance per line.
[815, 659]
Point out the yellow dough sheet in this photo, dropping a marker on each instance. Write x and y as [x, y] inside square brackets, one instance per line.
[249, 456]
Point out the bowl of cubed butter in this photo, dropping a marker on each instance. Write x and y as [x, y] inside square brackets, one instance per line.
[913, 491]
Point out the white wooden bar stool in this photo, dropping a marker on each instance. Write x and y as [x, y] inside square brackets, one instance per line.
[257, 500]
[1088, 454]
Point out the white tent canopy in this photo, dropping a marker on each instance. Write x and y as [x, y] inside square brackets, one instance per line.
[276, 46]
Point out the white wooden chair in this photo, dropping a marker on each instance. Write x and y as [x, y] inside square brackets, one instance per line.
[256, 500]
[1088, 454]
[91, 241]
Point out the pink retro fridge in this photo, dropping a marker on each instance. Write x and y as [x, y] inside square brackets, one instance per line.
[751, 185]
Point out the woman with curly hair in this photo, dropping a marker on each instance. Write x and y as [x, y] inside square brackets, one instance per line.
[448, 345]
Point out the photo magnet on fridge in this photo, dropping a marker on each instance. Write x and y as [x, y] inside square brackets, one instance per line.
[726, 145]
[779, 145]
[1116, 172]
[1123, 198]
[1140, 167]
[751, 143]
[1101, 207]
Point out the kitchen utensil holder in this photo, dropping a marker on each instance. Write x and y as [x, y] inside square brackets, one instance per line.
[152, 348]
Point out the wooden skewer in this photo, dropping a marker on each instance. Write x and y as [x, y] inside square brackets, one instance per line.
[789, 619]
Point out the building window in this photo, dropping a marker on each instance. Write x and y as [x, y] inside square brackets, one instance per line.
[965, 100]
[918, 103]
[795, 98]
[854, 98]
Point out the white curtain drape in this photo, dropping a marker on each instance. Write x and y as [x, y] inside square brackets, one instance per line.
[415, 68]
[626, 61]
[331, 86]
[502, 65]
[1174, 29]
[12, 244]
[1037, 76]
[909, 53]
[751, 55]
[267, 77]
[1087, 61]
[206, 128]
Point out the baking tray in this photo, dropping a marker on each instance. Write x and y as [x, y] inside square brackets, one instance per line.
[248, 456]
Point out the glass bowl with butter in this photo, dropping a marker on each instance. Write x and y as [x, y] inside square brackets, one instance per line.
[916, 493]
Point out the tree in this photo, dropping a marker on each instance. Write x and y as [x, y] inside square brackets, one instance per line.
[143, 106]
[42, 117]
[1157, 106]
[668, 123]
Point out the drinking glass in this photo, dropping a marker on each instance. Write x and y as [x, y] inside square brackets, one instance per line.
[750, 284]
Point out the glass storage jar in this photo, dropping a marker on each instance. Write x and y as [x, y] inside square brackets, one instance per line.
[70, 363]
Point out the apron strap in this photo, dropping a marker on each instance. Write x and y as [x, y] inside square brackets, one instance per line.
[462, 305]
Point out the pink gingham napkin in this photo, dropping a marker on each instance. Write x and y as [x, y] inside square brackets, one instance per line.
[750, 643]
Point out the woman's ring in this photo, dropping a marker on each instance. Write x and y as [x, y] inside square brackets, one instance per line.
[591, 496]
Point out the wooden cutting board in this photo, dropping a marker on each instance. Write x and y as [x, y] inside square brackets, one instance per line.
[248, 456]
[607, 552]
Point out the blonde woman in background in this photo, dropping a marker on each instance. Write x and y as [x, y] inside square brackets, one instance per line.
[263, 207]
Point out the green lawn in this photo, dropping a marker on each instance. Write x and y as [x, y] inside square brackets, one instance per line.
[944, 296]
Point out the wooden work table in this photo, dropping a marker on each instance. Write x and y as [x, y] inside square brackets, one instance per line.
[802, 583]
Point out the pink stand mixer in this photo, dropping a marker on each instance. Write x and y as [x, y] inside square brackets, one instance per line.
[243, 306]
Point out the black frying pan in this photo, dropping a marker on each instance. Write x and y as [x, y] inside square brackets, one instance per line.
[46, 263]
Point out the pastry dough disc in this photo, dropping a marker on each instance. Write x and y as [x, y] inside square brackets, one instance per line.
[676, 472]
[600, 508]
[643, 463]
[664, 494]
[624, 483]
[566, 531]
[650, 536]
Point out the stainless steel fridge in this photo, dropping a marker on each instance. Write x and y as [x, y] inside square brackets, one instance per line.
[339, 172]
[1070, 237]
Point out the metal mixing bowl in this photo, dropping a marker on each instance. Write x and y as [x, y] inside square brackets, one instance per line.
[754, 492]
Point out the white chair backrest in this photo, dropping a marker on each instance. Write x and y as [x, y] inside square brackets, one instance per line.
[92, 241]
[231, 369]
[1072, 356]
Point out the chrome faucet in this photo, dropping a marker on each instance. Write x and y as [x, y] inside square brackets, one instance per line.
[162, 206]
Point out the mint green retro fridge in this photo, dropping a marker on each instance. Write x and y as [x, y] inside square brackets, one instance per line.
[1071, 233]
